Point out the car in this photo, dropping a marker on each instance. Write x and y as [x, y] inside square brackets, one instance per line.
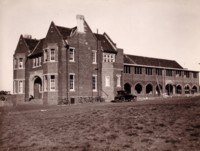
[123, 96]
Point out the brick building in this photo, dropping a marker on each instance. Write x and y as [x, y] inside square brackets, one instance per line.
[77, 64]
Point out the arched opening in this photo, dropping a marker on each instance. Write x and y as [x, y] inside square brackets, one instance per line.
[158, 89]
[149, 89]
[138, 88]
[169, 89]
[187, 89]
[194, 89]
[127, 87]
[37, 88]
[178, 89]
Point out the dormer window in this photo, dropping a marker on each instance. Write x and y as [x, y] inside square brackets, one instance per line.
[71, 54]
[108, 57]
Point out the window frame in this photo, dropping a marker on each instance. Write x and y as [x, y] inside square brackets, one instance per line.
[52, 83]
[72, 83]
[71, 55]
[94, 57]
[94, 83]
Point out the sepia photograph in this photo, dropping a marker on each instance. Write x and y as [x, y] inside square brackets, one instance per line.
[99, 75]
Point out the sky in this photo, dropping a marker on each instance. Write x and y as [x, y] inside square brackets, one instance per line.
[167, 29]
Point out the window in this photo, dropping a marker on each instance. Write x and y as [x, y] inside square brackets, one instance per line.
[178, 73]
[107, 81]
[127, 69]
[194, 74]
[149, 71]
[20, 63]
[138, 70]
[108, 57]
[20, 90]
[14, 87]
[94, 82]
[169, 73]
[118, 80]
[94, 56]
[45, 83]
[186, 74]
[34, 62]
[45, 55]
[40, 61]
[71, 82]
[15, 63]
[159, 72]
[71, 54]
[52, 83]
[52, 57]
[37, 61]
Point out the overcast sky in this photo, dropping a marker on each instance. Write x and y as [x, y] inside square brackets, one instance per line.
[168, 29]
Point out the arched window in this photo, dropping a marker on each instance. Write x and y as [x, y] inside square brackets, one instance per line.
[138, 88]
[149, 89]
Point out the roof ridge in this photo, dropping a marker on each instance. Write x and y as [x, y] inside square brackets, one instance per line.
[150, 57]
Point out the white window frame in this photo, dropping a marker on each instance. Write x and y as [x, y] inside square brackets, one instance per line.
[52, 83]
[20, 63]
[118, 80]
[14, 87]
[94, 57]
[40, 61]
[20, 86]
[52, 55]
[108, 57]
[73, 52]
[94, 89]
[73, 82]
[45, 55]
[107, 81]
[15, 63]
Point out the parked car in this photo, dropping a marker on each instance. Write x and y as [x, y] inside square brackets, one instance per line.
[123, 96]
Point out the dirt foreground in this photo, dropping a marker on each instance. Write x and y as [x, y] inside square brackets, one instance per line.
[156, 125]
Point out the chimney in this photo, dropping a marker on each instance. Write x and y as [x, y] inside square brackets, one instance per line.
[80, 23]
[27, 36]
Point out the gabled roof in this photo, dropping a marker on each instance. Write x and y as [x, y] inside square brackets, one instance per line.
[38, 49]
[65, 32]
[31, 43]
[106, 43]
[147, 61]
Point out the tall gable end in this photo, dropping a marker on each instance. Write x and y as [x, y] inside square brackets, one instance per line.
[53, 34]
[22, 46]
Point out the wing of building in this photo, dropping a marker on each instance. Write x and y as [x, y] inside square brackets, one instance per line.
[77, 65]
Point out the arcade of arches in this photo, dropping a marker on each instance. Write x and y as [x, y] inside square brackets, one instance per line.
[169, 89]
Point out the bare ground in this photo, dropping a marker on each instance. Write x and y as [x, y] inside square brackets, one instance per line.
[171, 124]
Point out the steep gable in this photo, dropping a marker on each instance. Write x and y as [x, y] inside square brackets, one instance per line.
[147, 61]
[21, 46]
[106, 43]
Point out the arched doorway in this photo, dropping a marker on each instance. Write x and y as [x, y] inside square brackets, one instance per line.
[187, 89]
[138, 88]
[194, 89]
[158, 89]
[37, 91]
[127, 87]
[169, 89]
[149, 89]
[178, 89]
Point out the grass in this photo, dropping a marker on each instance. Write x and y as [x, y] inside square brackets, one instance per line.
[171, 124]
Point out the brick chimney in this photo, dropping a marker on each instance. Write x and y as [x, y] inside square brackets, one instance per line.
[80, 23]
